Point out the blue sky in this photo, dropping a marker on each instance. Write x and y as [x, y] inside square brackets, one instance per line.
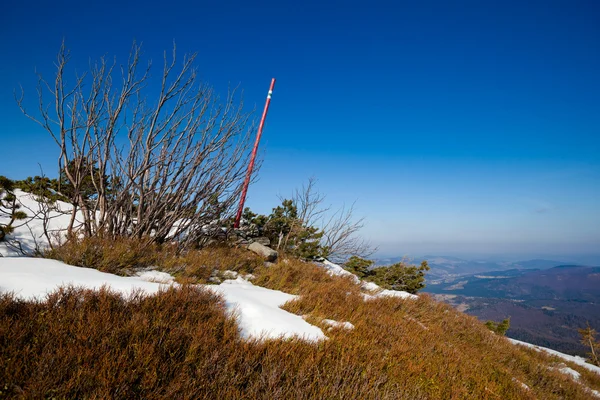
[467, 127]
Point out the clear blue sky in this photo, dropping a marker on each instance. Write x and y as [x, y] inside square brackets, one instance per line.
[459, 127]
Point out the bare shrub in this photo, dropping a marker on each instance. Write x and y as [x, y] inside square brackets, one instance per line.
[340, 228]
[154, 168]
[305, 227]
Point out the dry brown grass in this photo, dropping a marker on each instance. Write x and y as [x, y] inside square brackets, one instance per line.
[197, 266]
[122, 256]
[108, 255]
[422, 343]
[182, 344]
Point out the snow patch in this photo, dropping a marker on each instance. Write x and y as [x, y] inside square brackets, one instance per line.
[397, 293]
[575, 376]
[574, 359]
[562, 367]
[151, 275]
[256, 308]
[524, 386]
[228, 274]
[35, 278]
[569, 371]
[336, 270]
[335, 324]
[370, 286]
[389, 293]
[259, 312]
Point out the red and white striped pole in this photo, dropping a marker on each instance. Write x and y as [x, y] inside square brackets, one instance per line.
[238, 217]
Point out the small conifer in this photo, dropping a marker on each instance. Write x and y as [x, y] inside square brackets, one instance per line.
[588, 338]
[9, 207]
[499, 327]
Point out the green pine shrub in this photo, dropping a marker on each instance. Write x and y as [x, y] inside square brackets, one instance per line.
[498, 327]
[359, 266]
[287, 232]
[43, 187]
[9, 207]
[399, 276]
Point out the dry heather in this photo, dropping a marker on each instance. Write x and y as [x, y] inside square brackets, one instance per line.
[108, 255]
[121, 256]
[182, 344]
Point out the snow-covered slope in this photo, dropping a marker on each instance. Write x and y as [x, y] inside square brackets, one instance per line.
[257, 308]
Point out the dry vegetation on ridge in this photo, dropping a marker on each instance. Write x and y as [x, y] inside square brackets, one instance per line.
[121, 255]
[183, 344]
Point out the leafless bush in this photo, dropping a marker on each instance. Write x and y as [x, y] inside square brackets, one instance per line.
[341, 235]
[156, 168]
[340, 228]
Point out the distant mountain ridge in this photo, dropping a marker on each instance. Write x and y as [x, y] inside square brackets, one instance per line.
[450, 267]
[546, 306]
[563, 282]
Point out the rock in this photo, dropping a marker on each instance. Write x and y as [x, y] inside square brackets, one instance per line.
[269, 264]
[268, 253]
[263, 240]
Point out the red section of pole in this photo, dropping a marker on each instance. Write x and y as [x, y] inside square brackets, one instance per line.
[238, 217]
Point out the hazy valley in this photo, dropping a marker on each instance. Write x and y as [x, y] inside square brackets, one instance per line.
[546, 302]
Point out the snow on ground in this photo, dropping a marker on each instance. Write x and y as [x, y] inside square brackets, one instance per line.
[257, 308]
[337, 324]
[370, 286]
[151, 275]
[569, 371]
[395, 293]
[524, 386]
[575, 359]
[260, 313]
[30, 232]
[336, 270]
[34, 278]
[562, 368]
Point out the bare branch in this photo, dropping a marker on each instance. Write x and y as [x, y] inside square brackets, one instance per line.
[155, 169]
[340, 230]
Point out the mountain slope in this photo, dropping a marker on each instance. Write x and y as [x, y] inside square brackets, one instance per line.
[183, 343]
[201, 341]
